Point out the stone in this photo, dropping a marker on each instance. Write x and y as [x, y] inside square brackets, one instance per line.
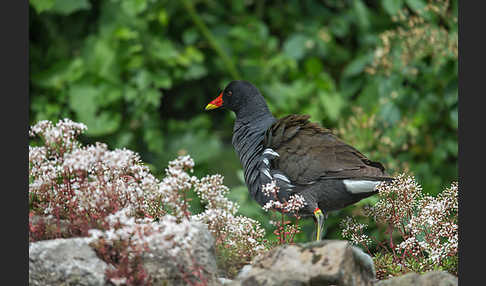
[165, 269]
[326, 262]
[65, 262]
[432, 278]
[72, 261]
[225, 281]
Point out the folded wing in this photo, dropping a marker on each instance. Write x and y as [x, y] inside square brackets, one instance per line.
[308, 152]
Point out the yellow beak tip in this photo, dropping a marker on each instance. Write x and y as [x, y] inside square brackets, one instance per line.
[211, 106]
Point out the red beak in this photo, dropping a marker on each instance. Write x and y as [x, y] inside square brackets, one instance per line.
[216, 103]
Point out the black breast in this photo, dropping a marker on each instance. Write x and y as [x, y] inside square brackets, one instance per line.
[248, 143]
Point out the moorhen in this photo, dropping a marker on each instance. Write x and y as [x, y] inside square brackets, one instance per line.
[299, 156]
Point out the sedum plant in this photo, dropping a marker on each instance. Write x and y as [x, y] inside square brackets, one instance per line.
[285, 230]
[421, 230]
[112, 198]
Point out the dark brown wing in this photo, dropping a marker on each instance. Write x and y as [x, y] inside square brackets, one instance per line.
[308, 152]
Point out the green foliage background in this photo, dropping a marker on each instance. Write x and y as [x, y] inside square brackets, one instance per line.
[140, 72]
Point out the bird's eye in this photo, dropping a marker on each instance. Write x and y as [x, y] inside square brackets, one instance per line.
[229, 93]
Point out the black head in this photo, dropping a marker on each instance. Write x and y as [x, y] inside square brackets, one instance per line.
[241, 97]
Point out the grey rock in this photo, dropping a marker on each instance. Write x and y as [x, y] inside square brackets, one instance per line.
[327, 262]
[73, 262]
[165, 269]
[65, 262]
[244, 272]
[225, 281]
[433, 278]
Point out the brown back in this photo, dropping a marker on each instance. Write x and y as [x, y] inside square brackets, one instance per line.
[309, 152]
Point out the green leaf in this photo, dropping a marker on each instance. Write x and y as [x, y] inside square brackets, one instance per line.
[238, 194]
[349, 86]
[101, 57]
[84, 101]
[154, 139]
[416, 5]
[190, 36]
[162, 79]
[240, 175]
[195, 72]
[134, 7]
[191, 142]
[163, 17]
[362, 14]
[194, 54]
[390, 113]
[357, 65]
[152, 97]
[59, 74]
[125, 33]
[109, 95]
[42, 5]
[294, 46]
[454, 118]
[333, 104]
[130, 94]
[238, 5]
[392, 6]
[66, 7]
[325, 82]
[313, 66]
[142, 79]
[163, 50]
[339, 26]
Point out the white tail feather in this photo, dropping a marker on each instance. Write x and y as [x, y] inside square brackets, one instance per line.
[360, 186]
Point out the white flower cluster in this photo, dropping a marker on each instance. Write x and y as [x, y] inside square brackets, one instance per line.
[176, 184]
[64, 132]
[167, 234]
[211, 191]
[435, 223]
[354, 231]
[91, 179]
[112, 190]
[270, 189]
[293, 205]
[43, 169]
[398, 199]
[427, 225]
[242, 234]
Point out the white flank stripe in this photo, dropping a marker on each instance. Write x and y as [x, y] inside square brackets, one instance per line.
[281, 177]
[360, 186]
[267, 173]
[271, 152]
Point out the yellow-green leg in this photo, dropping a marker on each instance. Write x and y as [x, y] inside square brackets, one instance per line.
[319, 223]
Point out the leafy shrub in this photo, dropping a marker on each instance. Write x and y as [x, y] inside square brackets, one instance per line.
[138, 73]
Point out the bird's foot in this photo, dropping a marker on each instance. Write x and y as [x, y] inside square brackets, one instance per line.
[320, 218]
